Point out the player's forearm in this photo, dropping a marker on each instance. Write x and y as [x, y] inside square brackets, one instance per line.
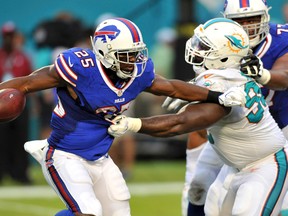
[16, 83]
[279, 80]
[40, 79]
[162, 126]
[191, 118]
[191, 92]
[186, 91]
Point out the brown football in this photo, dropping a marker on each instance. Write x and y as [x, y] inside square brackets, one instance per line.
[12, 103]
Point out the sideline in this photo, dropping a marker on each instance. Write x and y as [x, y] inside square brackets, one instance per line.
[136, 189]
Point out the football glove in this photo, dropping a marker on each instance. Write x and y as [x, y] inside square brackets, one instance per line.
[252, 66]
[235, 96]
[173, 104]
[122, 124]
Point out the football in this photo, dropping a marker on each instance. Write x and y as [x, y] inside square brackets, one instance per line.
[12, 103]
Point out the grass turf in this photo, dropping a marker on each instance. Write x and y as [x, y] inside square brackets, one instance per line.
[144, 172]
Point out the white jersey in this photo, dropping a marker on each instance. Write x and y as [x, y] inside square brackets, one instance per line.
[248, 133]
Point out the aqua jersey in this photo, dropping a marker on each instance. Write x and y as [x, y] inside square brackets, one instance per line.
[273, 47]
[80, 126]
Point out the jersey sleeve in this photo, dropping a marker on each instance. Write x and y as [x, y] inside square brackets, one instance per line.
[279, 39]
[212, 81]
[65, 66]
[149, 74]
[222, 80]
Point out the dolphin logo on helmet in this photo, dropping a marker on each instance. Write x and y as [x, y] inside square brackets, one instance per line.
[236, 44]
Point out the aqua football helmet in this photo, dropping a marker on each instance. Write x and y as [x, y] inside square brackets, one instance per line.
[118, 45]
[244, 12]
[217, 44]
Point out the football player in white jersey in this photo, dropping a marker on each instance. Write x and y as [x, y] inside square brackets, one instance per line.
[269, 42]
[247, 139]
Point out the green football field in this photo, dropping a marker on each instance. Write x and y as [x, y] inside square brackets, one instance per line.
[155, 188]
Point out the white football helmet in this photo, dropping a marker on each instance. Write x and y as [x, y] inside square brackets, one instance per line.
[237, 10]
[116, 37]
[217, 44]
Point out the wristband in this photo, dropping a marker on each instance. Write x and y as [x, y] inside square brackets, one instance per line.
[134, 124]
[265, 77]
[213, 97]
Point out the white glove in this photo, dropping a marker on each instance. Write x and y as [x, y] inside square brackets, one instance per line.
[234, 96]
[173, 104]
[122, 124]
[252, 66]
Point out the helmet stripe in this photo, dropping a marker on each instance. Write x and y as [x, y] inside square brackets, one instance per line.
[216, 20]
[244, 3]
[132, 28]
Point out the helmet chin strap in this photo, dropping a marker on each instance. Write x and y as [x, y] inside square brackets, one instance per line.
[255, 41]
[121, 75]
[199, 69]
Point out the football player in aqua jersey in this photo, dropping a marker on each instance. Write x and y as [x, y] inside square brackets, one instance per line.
[94, 86]
[269, 42]
[253, 180]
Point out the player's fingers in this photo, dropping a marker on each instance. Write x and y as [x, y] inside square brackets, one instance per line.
[174, 105]
[166, 102]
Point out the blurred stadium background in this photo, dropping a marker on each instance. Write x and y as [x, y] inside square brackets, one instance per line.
[158, 173]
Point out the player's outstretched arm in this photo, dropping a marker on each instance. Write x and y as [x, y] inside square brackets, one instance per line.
[179, 89]
[43, 78]
[234, 96]
[279, 80]
[193, 117]
[190, 92]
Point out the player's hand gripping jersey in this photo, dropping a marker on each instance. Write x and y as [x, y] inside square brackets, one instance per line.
[229, 135]
[82, 129]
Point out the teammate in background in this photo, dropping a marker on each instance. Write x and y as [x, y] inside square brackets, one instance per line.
[247, 138]
[94, 86]
[275, 79]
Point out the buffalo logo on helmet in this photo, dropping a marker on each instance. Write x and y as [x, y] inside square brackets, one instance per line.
[236, 42]
[110, 32]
